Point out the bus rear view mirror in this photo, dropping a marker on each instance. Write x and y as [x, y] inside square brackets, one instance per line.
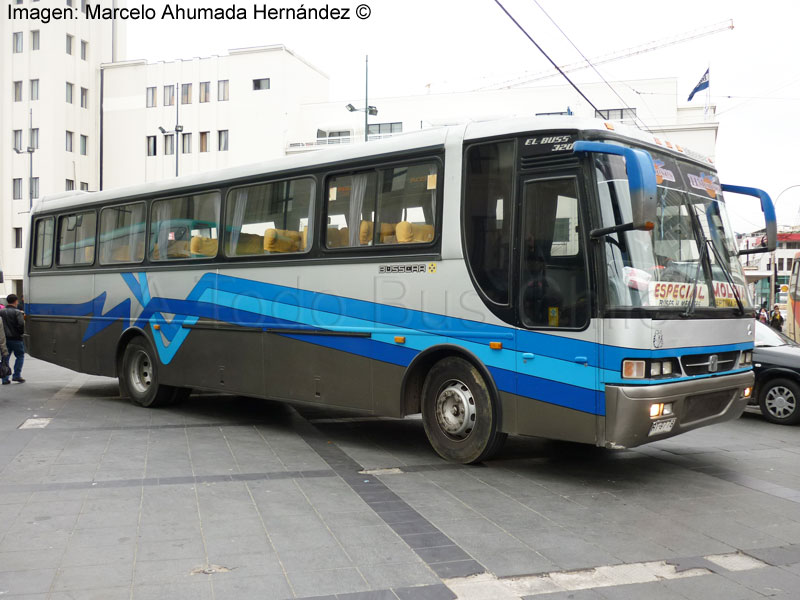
[769, 216]
[641, 182]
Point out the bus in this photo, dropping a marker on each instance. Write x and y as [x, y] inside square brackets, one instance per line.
[791, 328]
[554, 277]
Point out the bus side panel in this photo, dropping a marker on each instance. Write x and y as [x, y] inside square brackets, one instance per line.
[531, 417]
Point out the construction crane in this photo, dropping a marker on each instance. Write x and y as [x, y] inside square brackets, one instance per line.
[618, 55]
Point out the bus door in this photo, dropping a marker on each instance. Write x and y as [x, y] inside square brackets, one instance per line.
[557, 348]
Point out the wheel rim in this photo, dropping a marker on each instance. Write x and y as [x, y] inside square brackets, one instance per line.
[780, 402]
[455, 410]
[140, 372]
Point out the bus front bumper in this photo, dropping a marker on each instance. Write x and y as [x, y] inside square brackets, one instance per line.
[695, 403]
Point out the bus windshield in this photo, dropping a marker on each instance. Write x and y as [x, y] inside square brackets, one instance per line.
[689, 260]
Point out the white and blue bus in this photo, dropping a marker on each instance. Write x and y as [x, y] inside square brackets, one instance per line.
[551, 277]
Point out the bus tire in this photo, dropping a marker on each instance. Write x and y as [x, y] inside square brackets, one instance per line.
[779, 400]
[138, 376]
[459, 413]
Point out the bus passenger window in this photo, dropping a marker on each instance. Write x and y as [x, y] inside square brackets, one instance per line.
[406, 206]
[76, 239]
[553, 287]
[351, 210]
[270, 218]
[43, 243]
[122, 234]
[488, 202]
[185, 227]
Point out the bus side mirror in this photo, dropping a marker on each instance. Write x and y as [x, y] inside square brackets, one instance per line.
[641, 182]
[769, 216]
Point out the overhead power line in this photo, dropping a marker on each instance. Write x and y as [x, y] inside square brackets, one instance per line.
[552, 62]
[600, 75]
[616, 55]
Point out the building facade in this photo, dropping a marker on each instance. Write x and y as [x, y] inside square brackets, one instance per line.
[227, 110]
[49, 115]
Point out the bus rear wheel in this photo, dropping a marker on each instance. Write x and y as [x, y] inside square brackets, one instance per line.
[138, 377]
[459, 413]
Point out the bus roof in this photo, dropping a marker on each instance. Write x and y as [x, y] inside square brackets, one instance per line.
[404, 142]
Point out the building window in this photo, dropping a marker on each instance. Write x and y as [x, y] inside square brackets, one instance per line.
[186, 93]
[203, 141]
[17, 139]
[69, 141]
[222, 90]
[34, 187]
[84, 98]
[17, 91]
[17, 237]
[151, 97]
[16, 42]
[84, 49]
[70, 87]
[261, 84]
[169, 144]
[169, 95]
[615, 114]
[69, 44]
[222, 140]
[34, 89]
[84, 145]
[84, 186]
[70, 185]
[381, 129]
[16, 189]
[151, 145]
[35, 39]
[780, 264]
[186, 143]
[34, 138]
[205, 91]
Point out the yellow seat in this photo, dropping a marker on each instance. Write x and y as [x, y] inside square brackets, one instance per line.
[204, 246]
[249, 243]
[338, 238]
[368, 227]
[413, 232]
[282, 240]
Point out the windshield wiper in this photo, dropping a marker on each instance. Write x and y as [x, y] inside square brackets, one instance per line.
[690, 309]
[726, 271]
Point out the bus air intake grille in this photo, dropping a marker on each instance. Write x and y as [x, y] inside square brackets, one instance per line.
[703, 406]
[703, 364]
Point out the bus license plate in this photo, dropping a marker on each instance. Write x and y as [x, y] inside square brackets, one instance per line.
[661, 427]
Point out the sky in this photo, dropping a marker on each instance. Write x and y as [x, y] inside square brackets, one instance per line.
[469, 44]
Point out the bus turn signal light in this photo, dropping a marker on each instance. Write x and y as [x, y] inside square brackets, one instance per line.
[496, 345]
[399, 339]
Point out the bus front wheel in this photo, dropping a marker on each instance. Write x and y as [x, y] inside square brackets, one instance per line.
[138, 377]
[459, 413]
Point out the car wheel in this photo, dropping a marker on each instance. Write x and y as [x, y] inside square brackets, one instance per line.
[779, 401]
[459, 413]
[138, 376]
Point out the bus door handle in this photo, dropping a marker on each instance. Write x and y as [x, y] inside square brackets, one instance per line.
[527, 356]
[582, 360]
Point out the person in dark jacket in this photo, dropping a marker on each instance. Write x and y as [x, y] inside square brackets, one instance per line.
[14, 326]
[776, 319]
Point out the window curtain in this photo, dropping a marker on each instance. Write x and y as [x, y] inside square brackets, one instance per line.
[359, 185]
[240, 207]
[162, 215]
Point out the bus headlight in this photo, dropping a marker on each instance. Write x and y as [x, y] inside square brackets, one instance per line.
[633, 369]
[747, 358]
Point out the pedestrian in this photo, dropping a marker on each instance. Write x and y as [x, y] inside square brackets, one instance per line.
[3, 346]
[14, 326]
[776, 319]
[762, 315]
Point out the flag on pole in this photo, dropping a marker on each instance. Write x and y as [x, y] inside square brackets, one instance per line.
[701, 85]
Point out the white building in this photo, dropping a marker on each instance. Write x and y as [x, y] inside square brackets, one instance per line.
[230, 110]
[50, 104]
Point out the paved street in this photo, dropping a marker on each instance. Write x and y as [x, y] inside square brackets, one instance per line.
[225, 497]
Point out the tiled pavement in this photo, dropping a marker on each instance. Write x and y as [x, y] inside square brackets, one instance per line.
[231, 497]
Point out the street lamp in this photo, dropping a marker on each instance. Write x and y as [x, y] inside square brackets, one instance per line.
[178, 128]
[368, 110]
[773, 271]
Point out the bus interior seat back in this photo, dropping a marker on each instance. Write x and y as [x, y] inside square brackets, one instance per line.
[413, 232]
[338, 238]
[203, 246]
[282, 240]
[175, 249]
[249, 243]
[387, 230]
